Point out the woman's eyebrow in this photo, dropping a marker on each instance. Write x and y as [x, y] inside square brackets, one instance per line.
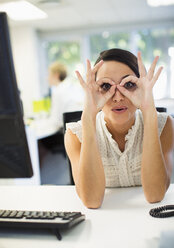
[121, 77]
[125, 76]
[113, 80]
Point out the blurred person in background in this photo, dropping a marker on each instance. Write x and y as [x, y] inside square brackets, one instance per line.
[64, 95]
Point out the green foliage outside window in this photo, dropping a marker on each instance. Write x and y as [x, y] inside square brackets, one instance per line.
[150, 42]
[101, 42]
[65, 52]
[155, 42]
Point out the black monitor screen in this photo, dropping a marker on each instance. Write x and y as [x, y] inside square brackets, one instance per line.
[15, 159]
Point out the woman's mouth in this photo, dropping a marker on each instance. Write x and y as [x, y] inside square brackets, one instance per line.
[120, 109]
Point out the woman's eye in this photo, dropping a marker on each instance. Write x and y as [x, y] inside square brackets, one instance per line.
[106, 86]
[129, 85]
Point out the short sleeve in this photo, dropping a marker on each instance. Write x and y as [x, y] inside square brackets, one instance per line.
[162, 118]
[76, 128]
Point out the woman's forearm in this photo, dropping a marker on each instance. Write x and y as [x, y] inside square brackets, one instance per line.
[154, 175]
[91, 179]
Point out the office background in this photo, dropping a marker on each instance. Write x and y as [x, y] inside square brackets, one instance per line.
[75, 30]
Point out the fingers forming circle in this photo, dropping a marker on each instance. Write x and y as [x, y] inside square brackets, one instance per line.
[130, 78]
[155, 78]
[82, 82]
[150, 73]
[142, 69]
[88, 71]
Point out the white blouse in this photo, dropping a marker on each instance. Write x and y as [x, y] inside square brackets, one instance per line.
[122, 169]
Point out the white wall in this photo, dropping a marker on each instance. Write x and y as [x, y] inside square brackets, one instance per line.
[24, 46]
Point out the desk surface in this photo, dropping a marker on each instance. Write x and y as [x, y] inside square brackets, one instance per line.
[43, 128]
[122, 221]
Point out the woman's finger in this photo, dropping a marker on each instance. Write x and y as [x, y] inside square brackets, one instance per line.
[82, 82]
[95, 69]
[88, 64]
[142, 70]
[155, 78]
[88, 72]
[91, 73]
[124, 91]
[130, 78]
[97, 66]
[110, 92]
[152, 68]
[105, 84]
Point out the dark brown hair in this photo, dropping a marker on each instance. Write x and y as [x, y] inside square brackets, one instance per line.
[122, 56]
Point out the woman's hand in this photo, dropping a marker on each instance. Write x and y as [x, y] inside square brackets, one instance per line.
[95, 95]
[140, 94]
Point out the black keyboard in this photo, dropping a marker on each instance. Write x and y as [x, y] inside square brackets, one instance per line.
[40, 219]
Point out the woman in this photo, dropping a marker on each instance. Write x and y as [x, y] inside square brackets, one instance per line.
[121, 140]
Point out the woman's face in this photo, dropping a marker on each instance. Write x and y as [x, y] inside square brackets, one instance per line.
[119, 109]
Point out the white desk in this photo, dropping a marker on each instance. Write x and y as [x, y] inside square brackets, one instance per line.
[123, 221]
[42, 128]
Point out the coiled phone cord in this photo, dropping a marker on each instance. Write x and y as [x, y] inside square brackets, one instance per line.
[161, 212]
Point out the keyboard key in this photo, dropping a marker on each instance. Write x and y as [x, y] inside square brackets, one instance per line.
[61, 214]
[13, 214]
[1, 212]
[6, 214]
[20, 214]
[26, 213]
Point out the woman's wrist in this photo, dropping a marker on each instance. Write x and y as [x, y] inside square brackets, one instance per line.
[148, 108]
[149, 114]
[88, 118]
[88, 127]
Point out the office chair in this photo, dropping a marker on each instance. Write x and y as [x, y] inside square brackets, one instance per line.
[71, 117]
[54, 142]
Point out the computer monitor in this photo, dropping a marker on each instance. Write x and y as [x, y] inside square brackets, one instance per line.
[15, 159]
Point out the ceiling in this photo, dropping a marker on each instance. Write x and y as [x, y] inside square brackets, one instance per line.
[71, 14]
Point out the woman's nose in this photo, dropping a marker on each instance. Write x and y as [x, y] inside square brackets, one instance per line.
[117, 97]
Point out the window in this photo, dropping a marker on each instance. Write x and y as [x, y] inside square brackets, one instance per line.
[101, 42]
[157, 42]
[67, 52]
[151, 42]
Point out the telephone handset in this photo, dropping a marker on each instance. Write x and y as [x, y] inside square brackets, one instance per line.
[161, 212]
